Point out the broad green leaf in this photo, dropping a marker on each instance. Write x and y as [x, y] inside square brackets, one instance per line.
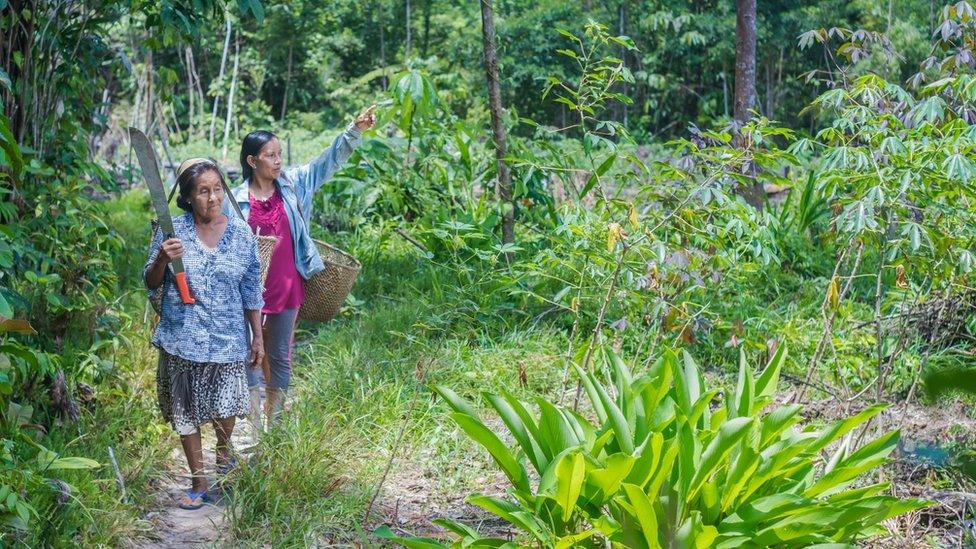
[531, 426]
[573, 540]
[729, 435]
[777, 421]
[664, 468]
[513, 514]
[844, 426]
[687, 384]
[624, 436]
[519, 431]
[649, 455]
[607, 479]
[743, 397]
[411, 543]
[744, 464]
[865, 458]
[557, 434]
[859, 493]
[692, 533]
[623, 379]
[768, 381]
[569, 481]
[796, 528]
[643, 508]
[459, 405]
[589, 384]
[6, 311]
[502, 455]
[456, 527]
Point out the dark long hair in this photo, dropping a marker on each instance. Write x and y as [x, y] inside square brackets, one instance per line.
[188, 181]
[252, 145]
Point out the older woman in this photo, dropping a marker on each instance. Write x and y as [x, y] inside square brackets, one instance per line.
[204, 346]
[279, 202]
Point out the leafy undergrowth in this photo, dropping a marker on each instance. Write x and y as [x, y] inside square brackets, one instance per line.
[364, 378]
[116, 411]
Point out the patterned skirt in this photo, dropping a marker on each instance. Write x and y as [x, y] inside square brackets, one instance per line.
[193, 393]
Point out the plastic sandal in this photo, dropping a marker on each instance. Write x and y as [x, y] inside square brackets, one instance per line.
[225, 468]
[193, 496]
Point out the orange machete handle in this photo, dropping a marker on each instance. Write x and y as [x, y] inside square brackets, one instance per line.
[184, 289]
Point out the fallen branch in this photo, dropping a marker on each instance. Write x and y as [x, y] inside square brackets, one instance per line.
[413, 241]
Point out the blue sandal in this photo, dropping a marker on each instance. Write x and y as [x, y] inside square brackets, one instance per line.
[225, 468]
[193, 496]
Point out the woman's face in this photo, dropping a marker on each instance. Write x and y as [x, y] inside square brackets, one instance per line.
[207, 196]
[267, 163]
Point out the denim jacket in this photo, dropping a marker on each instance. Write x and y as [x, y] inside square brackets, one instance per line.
[297, 186]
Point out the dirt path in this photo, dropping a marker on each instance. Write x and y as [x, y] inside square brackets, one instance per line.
[204, 527]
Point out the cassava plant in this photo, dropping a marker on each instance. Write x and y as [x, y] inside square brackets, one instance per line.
[658, 462]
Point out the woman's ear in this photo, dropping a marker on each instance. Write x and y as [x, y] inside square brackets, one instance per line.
[250, 161]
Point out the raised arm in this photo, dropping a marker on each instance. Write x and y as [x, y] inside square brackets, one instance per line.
[310, 177]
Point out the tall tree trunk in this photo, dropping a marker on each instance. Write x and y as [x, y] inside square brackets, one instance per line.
[504, 185]
[381, 25]
[220, 77]
[150, 93]
[745, 59]
[622, 30]
[423, 48]
[190, 93]
[201, 109]
[230, 96]
[407, 55]
[284, 98]
[744, 97]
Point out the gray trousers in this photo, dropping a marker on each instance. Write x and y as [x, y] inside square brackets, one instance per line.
[279, 333]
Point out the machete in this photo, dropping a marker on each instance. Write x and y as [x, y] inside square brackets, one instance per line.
[150, 171]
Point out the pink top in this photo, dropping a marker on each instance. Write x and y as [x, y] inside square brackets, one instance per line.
[283, 289]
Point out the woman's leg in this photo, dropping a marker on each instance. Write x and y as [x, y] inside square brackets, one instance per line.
[224, 428]
[194, 458]
[279, 335]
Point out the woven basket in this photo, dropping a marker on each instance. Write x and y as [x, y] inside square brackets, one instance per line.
[326, 291]
[266, 245]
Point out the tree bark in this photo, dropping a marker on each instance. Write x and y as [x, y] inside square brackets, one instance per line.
[423, 47]
[407, 56]
[201, 109]
[230, 96]
[745, 59]
[504, 184]
[744, 95]
[189, 88]
[220, 78]
[284, 99]
[382, 43]
[150, 91]
[622, 30]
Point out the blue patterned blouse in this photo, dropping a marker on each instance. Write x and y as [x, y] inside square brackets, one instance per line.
[224, 281]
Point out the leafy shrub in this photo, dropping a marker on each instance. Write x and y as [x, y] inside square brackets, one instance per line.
[49, 269]
[662, 466]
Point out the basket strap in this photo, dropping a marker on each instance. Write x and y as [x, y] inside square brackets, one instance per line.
[233, 201]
